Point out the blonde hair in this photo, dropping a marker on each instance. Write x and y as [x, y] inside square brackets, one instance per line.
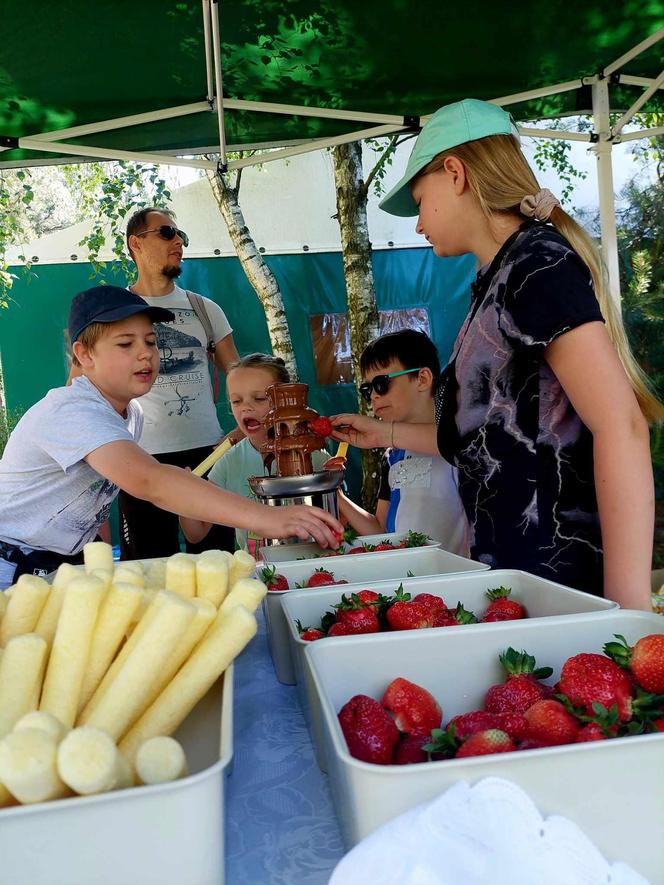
[499, 177]
[89, 337]
[273, 364]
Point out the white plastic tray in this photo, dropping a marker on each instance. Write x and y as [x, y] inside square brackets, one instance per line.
[296, 552]
[362, 568]
[614, 789]
[541, 598]
[167, 834]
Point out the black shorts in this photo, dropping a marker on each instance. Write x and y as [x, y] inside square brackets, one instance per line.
[147, 531]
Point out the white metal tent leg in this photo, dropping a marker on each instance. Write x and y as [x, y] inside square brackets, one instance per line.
[607, 205]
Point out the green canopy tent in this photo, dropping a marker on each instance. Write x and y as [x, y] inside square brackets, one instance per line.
[160, 78]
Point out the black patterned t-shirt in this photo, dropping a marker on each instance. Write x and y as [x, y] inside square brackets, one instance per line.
[524, 457]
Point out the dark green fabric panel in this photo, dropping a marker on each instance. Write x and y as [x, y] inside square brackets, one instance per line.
[78, 62]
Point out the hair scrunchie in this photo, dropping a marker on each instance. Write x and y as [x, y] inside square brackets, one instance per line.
[539, 205]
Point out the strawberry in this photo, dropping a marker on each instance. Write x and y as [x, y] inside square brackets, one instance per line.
[368, 597]
[363, 548]
[586, 679]
[433, 604]
[274, 580]
[415, 710]
[500, 602]
[492, 740]
[408, 616]
[311, 634]
[338, 630]
[369, 730]
[409, 749]
[321, 578]
[358, 620]
[321, 426]
[384, 545]
[467, 724]
[590, 732]
[495, 617]
[514, 724]
[549, 722]
[521, 688]
[645, 660]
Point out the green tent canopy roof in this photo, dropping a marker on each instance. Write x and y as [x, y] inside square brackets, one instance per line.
[75, 62]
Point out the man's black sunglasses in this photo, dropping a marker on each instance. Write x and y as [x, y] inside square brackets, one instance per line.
[167, 232]
[381, 383]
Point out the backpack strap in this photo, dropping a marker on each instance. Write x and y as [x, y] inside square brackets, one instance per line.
[198, 306]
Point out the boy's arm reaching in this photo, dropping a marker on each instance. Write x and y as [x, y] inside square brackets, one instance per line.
[126, 465]
[361, 520]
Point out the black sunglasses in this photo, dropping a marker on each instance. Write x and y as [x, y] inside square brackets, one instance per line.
[381, 383]
[167, 232]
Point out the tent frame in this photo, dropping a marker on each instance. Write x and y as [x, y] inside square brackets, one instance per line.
[601, 138]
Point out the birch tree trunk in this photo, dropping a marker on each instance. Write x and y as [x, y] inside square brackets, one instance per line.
[258, 273]
[361, 294]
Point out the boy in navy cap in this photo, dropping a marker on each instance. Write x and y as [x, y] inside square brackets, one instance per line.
[73, 450]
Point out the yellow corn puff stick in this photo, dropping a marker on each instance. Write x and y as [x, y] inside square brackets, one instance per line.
[124, 575]
[4, 601]
[134, 565]
[144, 623]
[155, 575]
[342, 450]
[181, 575]
[24, 607]
[248, 592]
[44, 721]
[71, 649]
[98, 554]
[222, 643]
[115, 615]
[67, 573]
[6, 797]
[89, 762]
[243, 566]
[212, 458]
[126, 696]
[21, 672]
[160, 760]
[212, 577]
[28, 767]
[105, 575]
[48, 619]
[205, 615]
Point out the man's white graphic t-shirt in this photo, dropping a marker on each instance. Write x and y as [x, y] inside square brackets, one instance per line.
[50, 497]
[179, 410]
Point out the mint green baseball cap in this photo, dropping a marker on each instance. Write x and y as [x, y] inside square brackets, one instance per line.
[452, 125]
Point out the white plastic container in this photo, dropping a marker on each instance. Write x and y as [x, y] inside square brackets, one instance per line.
[541, 598]
[167, 834]
[613, 790]
[295, 552]
[357, 568]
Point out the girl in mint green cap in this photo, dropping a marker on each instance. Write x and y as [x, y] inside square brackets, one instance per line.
[542, 407]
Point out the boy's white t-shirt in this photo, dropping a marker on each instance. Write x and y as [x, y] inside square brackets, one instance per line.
[423, 495]
[50, 498]
[179, 410]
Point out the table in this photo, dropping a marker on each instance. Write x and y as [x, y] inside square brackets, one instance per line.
[280, 825]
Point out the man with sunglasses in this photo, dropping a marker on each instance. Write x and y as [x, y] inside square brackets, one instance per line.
[417, 491]
[181, 425]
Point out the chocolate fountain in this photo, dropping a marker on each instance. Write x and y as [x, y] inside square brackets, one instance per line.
[290, 442]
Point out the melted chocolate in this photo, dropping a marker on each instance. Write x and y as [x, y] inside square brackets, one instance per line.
[290, 442]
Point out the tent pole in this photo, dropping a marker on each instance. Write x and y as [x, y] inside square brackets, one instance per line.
[607, 207]
[31, 143]
[655, 37]
[542, 92]
[642, 133]
[638, 104]
[560, 134]
[219, 91]
[208, 55]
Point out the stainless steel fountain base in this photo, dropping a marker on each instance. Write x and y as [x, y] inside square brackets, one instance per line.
[316, 489]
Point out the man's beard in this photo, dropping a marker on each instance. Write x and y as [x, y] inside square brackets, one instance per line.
[171, 271]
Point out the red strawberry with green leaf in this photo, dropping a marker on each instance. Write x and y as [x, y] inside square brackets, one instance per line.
[587, 679]
[415, 709]
[493, 740]
[645, 660]
[321, 426]
[362, 548]
[409, 749]
[514, 724]
[338, 629]
[273, 580]
[522, 687]
[357, 618]
[466, 724]
[321, 578]
[309, 634]
[414, 539]
[434, 604]
[369, 730]
[549, 722]
[408, 616]
[501, 605]
[382, 547]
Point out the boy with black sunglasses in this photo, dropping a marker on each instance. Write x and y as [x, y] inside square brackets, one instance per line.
[418, 492]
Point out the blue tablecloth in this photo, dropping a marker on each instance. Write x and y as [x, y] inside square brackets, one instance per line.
[280, 825]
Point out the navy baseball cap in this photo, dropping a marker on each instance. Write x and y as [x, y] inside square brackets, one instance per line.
[107, 304]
